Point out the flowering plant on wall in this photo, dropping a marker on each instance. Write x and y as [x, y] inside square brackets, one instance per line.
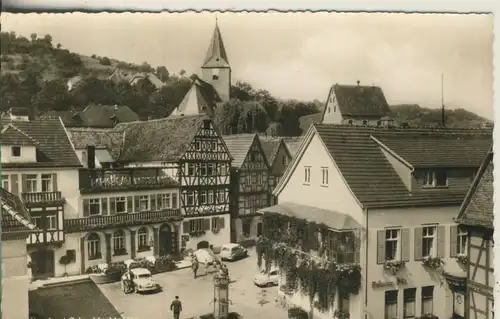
[432, 262]
[428, 316]
[463, 259]
[339, 314]
[394, 266]
[197, 233]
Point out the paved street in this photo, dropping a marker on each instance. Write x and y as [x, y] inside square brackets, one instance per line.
[196, 295]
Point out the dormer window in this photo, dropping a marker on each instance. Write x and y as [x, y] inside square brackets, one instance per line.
[435, 178]
[16, 151]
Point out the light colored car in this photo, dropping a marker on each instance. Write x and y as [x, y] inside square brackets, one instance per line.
[232, 252]
[205, 256]
[142, 280]
[267, 279]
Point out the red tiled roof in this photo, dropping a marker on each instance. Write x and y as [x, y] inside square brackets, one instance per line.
[53, 146]
[371, 177]
[477, 208]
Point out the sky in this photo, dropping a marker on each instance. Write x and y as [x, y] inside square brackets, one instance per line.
[300, 55]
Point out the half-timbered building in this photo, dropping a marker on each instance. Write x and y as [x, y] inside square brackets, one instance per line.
[249, 184]
[40, 166]
[16, 225]
[190, 150]
[403, 186]
[278, 156]
[123, 213]
[476, 216]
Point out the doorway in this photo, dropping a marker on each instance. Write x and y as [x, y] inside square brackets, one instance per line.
[203, 244]
[166, 240]
[43, 263]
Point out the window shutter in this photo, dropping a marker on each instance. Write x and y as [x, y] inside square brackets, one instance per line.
[152, 199]
[86, 208]
[14, 188]
[441, 248]
[453, 240]
[24, 184]
[206, 223]
[112, 206]
[357, 248]
[380, 246]
[104, 206]
[174, 201]
[185, 227]
[54, 182]
[130, 204]
[136, 204]
[221, 222]
[405, 244]
[418, 244]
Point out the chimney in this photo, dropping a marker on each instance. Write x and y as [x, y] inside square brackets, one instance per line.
[90, 157]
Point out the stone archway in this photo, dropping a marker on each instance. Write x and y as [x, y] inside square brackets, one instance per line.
[203, 244]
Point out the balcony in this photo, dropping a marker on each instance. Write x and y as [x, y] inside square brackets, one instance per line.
[41, 199]
[120, 220]
[123, 179]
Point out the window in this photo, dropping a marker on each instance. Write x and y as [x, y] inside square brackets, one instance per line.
[365, 122]
[222, 196]
[252, 157]
[203, 169]
[435, 178]
[120, 205]
[51, 222]
[94, 246]
[119, 242]
[392, 249]
[94, 206]
[164, 201]
[31, 183]
[409, 302]
[285, 160]
[307, 174]
[324, 176]
[461, 240]
[16, 151]
[143, 203]
[37, 220]
[428, 241]
[349, 122]
[391, 304]
[246, 225]
[197, 145]
[191, 169]
[196, 225]
[190, 198]
[46, 182]
[202, 199]
[379, 123]
[210, 194]
[427, 297]
[142, 239]
[211, 169]
[217, 223]
[213, 146]
[5, 182]
[215, 74]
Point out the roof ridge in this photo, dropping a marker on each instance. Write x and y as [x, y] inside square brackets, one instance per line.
[169, 118]
[10, 125]
[410, 129]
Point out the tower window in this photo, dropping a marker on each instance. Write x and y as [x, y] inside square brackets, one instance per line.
[215, 74]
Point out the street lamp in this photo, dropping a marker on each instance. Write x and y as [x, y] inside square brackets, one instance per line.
[221, 296]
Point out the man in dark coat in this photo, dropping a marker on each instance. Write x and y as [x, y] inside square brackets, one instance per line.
[176, 307]
[194, 265]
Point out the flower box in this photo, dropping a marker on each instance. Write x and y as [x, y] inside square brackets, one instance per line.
[432, 262]
[394, 266]
[463, 259]
[197, 233]
[339, 314]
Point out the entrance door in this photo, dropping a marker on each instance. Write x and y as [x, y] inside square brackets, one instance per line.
[203, 244]
[165, 240]
[43, 263]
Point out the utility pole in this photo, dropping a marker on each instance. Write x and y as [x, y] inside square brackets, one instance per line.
[442, 101]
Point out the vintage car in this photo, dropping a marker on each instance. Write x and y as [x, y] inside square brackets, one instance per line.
[142, 280]
[205, 256]
[267, 279]
[232, 252]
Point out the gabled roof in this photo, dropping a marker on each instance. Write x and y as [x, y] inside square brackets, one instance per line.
[15, 216]
[477, 208]
[105, 116]
[104, 139]
[239, 145]
[271, 147]
[119, 76]
[201, 98]
[293, 144]
[216, 54]
[164, 140]
[368, 173]
[69, 118]
[53, 146]
[11, 135]
[306, 121]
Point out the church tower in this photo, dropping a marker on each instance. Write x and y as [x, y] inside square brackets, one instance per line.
[216, 69]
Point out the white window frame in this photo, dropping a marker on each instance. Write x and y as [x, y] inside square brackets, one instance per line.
[430, 179]
[324, 176]
[389, 237]
[285, 160]
[307, 175]
[6, 182]
[210, 196]
[121, 199]
[197, 145]
[203, 169]
[15, 147]
[46, 182]
[409, 301]
[95, 201]
[165, 201]
[433, 248]
[386, 304]
[93, 247]
[191, 169]
[37, 221]
[222, 196]
[118, 242]
[211, 169]
[426, 298]
[31, 183]
[142, 237]
[51, 222]
[213, 145]
[202, 197]
[143, 199]
[190, 198]
[462, 241]
[196, 225]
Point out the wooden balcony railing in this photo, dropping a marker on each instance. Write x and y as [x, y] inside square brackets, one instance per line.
[101, 180]
[120, 220]
[42, 198]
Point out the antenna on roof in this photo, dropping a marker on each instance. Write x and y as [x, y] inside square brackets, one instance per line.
[442, 101]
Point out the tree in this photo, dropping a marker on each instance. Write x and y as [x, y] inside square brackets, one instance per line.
[145, 67]
[242, 91]
[48, 40]
[59, 46]
[105, 61]
[226, 116]
[53, 96]
[162, 73]
[9, 91]
[33, 37]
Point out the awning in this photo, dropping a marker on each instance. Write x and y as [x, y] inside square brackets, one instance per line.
[103, 156]
[330, 218]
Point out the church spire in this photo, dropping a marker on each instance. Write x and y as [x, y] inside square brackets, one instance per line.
[216, 55]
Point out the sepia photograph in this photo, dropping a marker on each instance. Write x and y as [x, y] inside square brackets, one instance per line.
[223, 165]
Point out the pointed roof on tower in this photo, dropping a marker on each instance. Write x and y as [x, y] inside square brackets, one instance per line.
[216, 55]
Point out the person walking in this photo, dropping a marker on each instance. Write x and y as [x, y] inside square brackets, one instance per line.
[176, 307]
[194, 265]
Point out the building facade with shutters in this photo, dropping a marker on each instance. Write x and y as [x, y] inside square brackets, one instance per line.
[39, 166]
[404, 187]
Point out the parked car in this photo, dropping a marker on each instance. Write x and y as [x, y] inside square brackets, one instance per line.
[267, 279]
[142, 280]
[232, 252]
[205, 256]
